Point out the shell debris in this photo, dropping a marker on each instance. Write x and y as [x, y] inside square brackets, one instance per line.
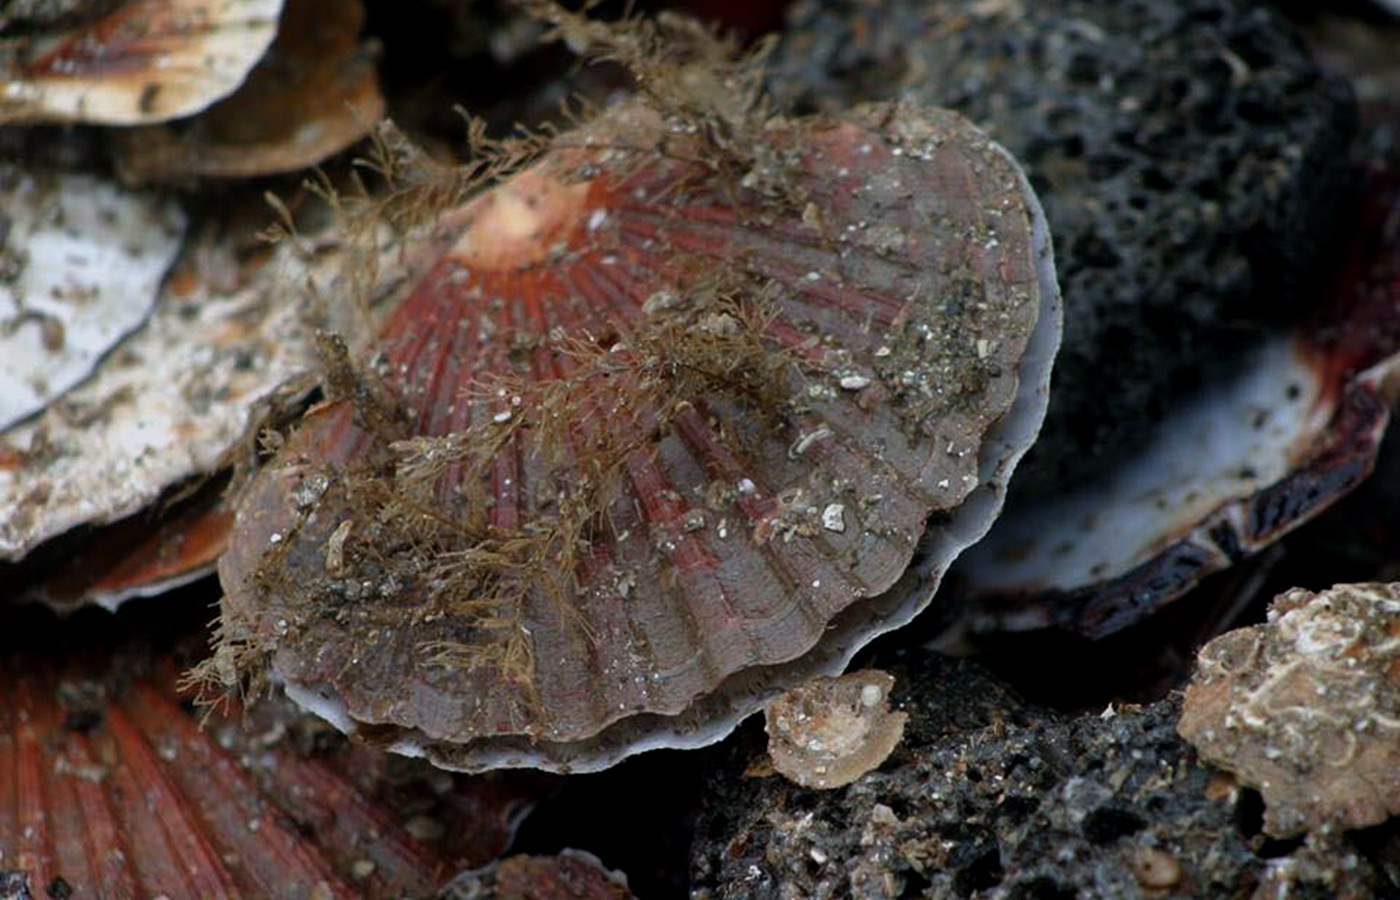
[830, 731]
[138, 61]
[1306, 707]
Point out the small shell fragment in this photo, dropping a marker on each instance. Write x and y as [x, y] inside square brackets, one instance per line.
[81, 263]
[1306, 707]
[830, 731]
[570, 875]
[143, 61]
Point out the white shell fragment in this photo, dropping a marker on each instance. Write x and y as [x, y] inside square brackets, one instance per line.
[1306, 707]
[81, 262]
[144, 61]
[830, 731]
[171, 402]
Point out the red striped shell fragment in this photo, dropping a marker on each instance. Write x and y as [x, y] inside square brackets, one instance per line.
[314, 94]
[111, 787]
[148, 553]
[81, 263]
[654, 439]
[133, 62]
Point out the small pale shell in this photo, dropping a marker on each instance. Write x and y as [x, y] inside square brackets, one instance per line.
[1306, 707]
[830, 731]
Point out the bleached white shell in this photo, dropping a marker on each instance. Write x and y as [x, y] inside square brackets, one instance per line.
[81, 262]
[169, 404]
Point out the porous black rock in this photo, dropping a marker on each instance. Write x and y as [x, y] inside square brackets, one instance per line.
[1190, 156]
[990, 797]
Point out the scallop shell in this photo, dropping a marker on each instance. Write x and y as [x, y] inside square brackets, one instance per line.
[144, 61]
[314, 94]
[110, 786]
[748, 534]
[81, 262]
[1244, 463]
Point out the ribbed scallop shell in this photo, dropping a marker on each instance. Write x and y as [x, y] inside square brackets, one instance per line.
[742, 544]
[110, 786]
[139, 61]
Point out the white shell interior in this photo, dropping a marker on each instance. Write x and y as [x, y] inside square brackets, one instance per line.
[1233, 440]
[81, 262]
[174, 399]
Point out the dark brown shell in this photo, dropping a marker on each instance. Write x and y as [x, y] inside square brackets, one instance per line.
[1229, 471]
[739, 542]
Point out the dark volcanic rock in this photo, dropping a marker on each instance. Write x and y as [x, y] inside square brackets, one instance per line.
[1189, 155]
[991, 798]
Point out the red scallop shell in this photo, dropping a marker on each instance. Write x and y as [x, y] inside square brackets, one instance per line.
[744, 543]
[110, 786]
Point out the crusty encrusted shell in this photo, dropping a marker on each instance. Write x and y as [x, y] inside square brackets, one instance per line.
[1306, 707]
[173, 400]
[143, 61]
[746, 546]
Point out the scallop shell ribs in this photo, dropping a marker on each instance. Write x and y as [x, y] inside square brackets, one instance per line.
[648, 439]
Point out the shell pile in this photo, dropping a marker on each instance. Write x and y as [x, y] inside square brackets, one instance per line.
[599, 442]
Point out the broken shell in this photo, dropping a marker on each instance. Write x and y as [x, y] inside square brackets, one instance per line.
[140, 556]
[81, 262]
[314, 94]
[571, 875]
[1226, 474]
[830, 731]
[142, 61]
[1306, 707]
[542, 441]
[113, 788]
[174, 400]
